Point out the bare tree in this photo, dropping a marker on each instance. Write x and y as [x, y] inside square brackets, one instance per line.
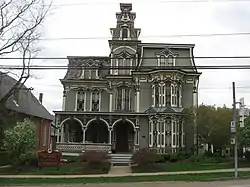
[20, 29]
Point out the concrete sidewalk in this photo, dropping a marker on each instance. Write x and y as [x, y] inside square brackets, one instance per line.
[122, 175]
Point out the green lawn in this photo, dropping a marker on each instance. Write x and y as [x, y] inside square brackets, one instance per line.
[185, 166]
[180, 177]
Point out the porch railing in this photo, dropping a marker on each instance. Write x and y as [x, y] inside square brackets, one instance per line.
[81, 147]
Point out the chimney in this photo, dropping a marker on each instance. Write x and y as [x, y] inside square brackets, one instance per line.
[41, 97]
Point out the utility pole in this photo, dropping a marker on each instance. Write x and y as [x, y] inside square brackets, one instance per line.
[234, 133]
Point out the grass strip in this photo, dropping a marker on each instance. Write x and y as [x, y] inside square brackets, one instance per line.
[126, 179]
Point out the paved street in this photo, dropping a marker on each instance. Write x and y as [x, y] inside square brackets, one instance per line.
[239, 183]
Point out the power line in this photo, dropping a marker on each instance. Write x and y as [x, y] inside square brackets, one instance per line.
[145, 2]
[146, 68]
[146, 36]
[200, 88]
[109, 58]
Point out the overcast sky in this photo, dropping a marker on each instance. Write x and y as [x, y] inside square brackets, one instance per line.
[92, 19]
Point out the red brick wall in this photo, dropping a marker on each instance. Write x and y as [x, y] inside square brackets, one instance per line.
[43, 134]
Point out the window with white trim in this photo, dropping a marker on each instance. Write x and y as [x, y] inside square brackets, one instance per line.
[158, 95]
[182, 134]
[80, 101]
[123, 98]
[166, 60]
[95, 101]
[162, 60]
[177, 133]
[174, 98]
[151, 133]
[162, 133]
[173, 133]
[180, 96]
[158, 135]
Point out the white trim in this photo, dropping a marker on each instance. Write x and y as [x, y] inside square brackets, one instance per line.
[164, 45]
[117, 66]
[195, 95]
[62, 123]
[173, 130]
[85, 100]
[96, 74]
[153, 95]
[182, 135]
[174, 95]
[158, 140]
[110, 102]
[76, 100]
[137, 101]
[103, 120]
[91, 98]
[124, 47]
[100, 100]
[180, 96]
[162, 133]
[131, 122]
[83, 71]
[151, 133]
[64, 103]
[112, 63]
[131, 64]
[164, 95]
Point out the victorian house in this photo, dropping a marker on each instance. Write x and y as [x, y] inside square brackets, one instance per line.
[133, 98]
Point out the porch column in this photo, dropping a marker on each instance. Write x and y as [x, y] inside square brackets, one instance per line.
[64, 100]
[62, 133]
[58, 135]
[137, 100]
[110, 102]
[110, 135]
[83, 134]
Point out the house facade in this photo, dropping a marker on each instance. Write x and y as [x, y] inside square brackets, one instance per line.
[134, 98]
[23, 104]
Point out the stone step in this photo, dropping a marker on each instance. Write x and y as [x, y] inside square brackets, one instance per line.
[120, 159]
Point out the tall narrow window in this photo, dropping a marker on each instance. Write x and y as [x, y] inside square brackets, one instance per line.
[80, 101]
[182, 134]
[124, 33]
[123, 99]
[151, 134]
[174, 95]
[157, 99]
[162, 133]
[173, 133]
[95, 105]
[158, 137]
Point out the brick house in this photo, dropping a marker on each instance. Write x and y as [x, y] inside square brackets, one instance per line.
[23, 104]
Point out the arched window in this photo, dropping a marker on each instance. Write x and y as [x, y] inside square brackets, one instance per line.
[124, 33]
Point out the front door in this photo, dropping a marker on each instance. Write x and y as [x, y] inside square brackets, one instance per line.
[122, 144]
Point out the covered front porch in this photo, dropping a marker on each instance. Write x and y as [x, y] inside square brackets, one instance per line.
[75, 136]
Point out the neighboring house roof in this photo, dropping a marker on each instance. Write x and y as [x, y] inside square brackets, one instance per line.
[27, 103]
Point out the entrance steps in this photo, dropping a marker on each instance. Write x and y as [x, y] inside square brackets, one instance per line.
[120, 159]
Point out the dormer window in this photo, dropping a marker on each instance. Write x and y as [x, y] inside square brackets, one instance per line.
[166, 58]
[162, 60]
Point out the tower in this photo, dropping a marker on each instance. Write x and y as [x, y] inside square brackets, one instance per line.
[123, 46]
